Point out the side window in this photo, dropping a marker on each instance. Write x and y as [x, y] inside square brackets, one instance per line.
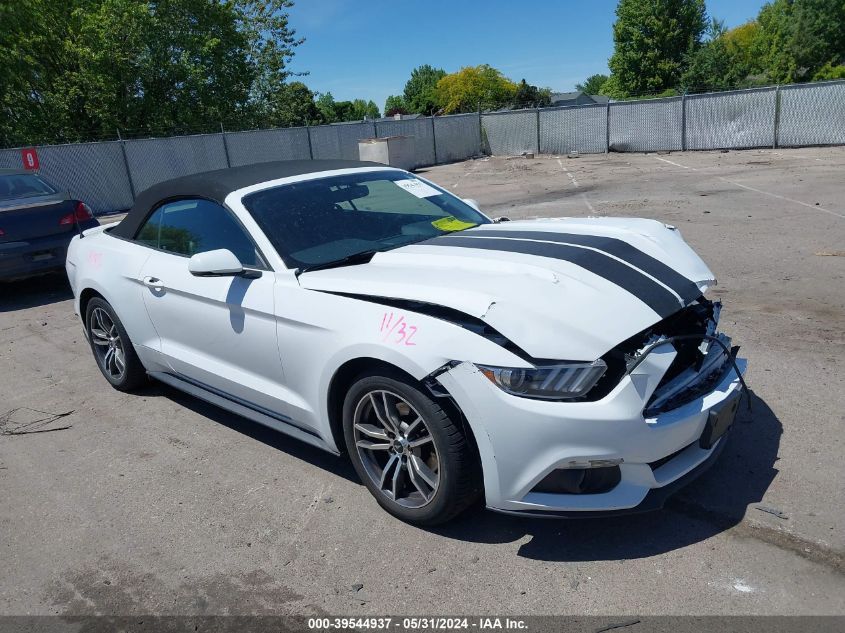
[148, 235]
[188, 227]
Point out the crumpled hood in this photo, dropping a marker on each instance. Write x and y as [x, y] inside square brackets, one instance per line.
[563, 289]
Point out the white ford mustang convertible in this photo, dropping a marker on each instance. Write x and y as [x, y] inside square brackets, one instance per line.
[558, 368]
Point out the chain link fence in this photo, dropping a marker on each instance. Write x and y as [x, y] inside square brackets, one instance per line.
[108, 175]
[511, 133]
[811, 114]
[739, 119]
[646, 126]
[93, 172]
[262, 146]
[457, 137]
[786, 116]
[339, 140]
[154, 160]
[570, 129]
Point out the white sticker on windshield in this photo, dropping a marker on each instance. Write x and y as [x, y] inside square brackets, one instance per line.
[417, 187]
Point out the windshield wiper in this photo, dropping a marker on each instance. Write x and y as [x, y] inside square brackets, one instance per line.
[355, 258]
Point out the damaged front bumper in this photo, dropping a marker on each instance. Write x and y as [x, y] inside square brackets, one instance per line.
[605, 456]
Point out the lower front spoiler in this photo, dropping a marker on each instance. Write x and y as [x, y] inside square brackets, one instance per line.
[655, 499]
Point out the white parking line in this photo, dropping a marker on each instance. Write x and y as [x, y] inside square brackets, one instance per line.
[587, 202]
[779, 197]
[568, 173]
[814, 207]
[675, 164]
[575, 184]
[475, 165]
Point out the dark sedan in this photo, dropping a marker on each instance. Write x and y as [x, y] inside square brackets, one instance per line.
[37, 221]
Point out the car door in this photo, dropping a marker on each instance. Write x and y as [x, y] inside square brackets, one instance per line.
[217, 332]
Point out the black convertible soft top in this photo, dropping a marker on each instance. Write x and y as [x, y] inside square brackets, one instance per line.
[216, 185]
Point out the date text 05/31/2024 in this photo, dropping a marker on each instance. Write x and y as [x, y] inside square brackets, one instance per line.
[418, 623]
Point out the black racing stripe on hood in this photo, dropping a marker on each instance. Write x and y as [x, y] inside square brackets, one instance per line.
[629, 279]
[666, 275]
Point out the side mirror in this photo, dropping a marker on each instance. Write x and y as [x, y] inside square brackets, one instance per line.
[219, 263]
[472, 203]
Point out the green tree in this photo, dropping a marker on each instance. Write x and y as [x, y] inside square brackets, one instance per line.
[652, 39]
[611, 88]
[818, 36]
[795, 39]
[291, 105]
[364, 110]
[773, 41]
[270, 41]
[593, 84]
[327, 107]
[344, 111]
[332, 111]
[740, 43]
[474, 86]
[395, 104]
[830, 71]
[529, 96]
[544, 97]
[172, 66]
[32, 107]
[420, 89]
[722, 63]
[79, 69]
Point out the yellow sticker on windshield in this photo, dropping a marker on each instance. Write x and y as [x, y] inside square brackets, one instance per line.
[451, 223]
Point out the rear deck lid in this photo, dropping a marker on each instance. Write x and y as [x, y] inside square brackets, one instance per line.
[32, 208]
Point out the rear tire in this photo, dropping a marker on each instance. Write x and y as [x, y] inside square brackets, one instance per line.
[112, 349]
[412, 457]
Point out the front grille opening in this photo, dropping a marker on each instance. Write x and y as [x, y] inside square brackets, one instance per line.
[697, 319]
[692, 319]
[580, 481]
[703, 385]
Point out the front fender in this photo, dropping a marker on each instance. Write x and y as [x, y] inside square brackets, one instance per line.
[320, 332]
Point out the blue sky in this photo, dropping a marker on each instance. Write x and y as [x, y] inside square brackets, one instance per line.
[367, 49]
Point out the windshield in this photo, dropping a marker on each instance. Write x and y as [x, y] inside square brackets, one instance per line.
[23, 186]
[320, 221]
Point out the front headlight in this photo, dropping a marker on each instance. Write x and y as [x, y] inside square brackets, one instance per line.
[563, 381]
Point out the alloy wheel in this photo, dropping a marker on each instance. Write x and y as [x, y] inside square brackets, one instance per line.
[108, 345]
[396, 448]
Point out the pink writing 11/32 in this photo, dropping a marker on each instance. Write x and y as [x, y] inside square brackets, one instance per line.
[395, 329]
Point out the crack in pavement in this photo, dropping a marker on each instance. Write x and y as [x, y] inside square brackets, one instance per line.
[812, 551]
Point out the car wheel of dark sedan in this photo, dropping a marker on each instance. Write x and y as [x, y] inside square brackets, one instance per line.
[112, 348]
[413, 458]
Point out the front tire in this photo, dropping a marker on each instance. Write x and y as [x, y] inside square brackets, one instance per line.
[111, 347]
[413, 458]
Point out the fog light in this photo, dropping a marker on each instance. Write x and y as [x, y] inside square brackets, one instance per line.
[580, 481]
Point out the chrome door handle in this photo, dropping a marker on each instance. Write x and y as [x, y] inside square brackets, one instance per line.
[152, 282]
